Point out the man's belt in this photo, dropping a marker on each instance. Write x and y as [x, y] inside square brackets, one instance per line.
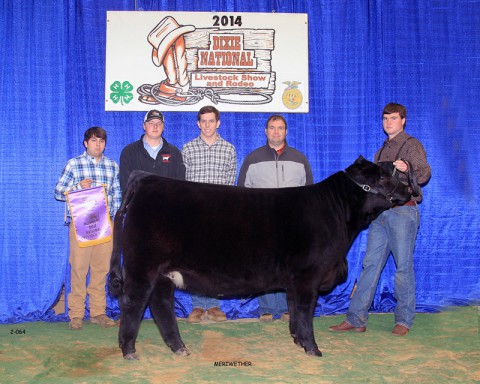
[411, 203]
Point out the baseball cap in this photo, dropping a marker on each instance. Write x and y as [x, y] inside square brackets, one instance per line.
[153, 114]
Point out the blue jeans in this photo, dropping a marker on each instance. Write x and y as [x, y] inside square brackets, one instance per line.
[204, 302]
[395, 231]
[273, 303]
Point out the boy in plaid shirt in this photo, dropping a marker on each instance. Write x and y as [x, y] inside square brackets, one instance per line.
[88, 170]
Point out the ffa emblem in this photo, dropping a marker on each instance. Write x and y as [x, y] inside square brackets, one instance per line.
[292, 97]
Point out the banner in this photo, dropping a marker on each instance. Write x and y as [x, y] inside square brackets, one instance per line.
[90, 217]
[182, 61]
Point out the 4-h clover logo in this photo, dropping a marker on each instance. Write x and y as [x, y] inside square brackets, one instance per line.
[121, 92]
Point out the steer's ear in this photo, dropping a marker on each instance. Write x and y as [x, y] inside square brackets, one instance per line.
[360, 160]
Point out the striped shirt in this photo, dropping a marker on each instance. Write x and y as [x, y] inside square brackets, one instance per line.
[213, 164]
[105, 172]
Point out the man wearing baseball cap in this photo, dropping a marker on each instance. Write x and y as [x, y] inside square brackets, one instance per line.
[152, 153]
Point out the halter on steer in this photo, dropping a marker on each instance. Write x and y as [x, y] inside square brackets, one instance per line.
[367, 188]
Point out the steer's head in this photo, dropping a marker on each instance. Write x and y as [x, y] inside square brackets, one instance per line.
[376, 181]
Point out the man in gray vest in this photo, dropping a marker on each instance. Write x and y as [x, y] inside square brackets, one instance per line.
[275, 165]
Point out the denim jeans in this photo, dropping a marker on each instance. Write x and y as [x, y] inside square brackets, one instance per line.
[204, 302]
[395, 231]
[273, 303]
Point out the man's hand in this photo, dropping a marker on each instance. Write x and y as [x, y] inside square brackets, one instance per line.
[400, 165]
[86, 183]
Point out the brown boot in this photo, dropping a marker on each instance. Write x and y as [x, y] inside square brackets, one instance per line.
[266, 317]
[102, 321]
[345, 327]
[400, 330]
[76, 324]
[216, 314]
[196, 316]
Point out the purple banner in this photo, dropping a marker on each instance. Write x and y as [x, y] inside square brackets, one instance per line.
[89, 209]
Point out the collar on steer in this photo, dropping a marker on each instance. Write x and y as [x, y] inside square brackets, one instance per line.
[365, 187]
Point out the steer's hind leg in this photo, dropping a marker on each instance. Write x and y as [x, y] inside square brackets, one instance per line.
[304, 307]
[162, 308]
[292, 314]
[132, 306]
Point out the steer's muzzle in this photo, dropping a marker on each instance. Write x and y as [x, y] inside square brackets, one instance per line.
[400, 194]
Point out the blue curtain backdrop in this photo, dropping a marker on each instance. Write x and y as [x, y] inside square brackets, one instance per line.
[363, 54]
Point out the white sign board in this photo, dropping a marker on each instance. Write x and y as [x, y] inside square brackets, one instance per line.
[182, 61]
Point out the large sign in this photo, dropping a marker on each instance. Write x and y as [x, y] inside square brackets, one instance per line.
[181, 61]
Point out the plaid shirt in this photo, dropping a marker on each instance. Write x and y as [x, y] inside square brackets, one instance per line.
[213, 164]
[105, 172]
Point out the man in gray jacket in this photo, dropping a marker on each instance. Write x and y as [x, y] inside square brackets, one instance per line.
[275, 165]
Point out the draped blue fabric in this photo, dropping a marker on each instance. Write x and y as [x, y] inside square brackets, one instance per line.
[363, 54]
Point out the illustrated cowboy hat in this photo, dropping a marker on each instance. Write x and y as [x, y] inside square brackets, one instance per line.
[164, 35]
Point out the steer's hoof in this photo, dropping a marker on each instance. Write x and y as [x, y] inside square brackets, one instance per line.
[314, 352]
[182, 352]
[131, 356]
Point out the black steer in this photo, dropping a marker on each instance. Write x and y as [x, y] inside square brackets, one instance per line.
[221, 240]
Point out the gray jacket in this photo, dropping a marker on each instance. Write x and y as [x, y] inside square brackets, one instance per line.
[264, 168]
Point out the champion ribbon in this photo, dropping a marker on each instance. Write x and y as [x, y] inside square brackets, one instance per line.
[91, 220]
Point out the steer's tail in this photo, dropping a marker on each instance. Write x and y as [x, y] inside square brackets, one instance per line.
[115, 280]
